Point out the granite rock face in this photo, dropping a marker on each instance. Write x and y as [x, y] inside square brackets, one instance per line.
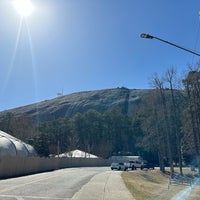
[79, 102]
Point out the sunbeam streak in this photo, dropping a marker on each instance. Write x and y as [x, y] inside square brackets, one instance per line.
[32, 58]
[23, 21]
[13, 56]
[33, 66]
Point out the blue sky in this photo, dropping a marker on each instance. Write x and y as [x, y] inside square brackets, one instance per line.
[81, 45]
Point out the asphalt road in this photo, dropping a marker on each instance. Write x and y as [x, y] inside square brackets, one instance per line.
[89, 183]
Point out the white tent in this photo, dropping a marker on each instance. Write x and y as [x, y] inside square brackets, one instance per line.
[77, 154]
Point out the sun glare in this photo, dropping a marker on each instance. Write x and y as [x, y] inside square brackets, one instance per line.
[23, 7]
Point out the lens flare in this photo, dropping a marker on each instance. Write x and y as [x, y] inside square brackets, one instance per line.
[23, 7]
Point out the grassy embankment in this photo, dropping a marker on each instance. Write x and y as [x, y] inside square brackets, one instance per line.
[153, 185]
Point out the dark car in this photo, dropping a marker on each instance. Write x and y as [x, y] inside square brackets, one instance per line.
[147, 165]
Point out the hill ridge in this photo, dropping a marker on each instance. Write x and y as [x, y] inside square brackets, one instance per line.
[79, 102]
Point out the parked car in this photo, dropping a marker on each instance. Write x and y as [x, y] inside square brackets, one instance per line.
[118, 166]
[147, 165]
[134, 164]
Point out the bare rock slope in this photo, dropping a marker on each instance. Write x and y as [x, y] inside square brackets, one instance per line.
[68, 105]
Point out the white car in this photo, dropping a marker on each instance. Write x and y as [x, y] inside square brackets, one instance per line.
[118, 166]
[134, 164]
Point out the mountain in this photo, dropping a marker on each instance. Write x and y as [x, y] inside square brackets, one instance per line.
[79, 102]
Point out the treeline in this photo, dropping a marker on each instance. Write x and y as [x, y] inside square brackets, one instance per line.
[172, 125]
[103, 134]
[165, 128]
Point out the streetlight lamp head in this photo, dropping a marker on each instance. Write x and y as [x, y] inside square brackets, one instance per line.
[144, 35]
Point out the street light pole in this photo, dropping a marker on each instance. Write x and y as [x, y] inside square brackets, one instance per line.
[144, 35]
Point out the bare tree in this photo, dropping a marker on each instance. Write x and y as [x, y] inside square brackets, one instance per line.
[158, 84]
[192, 88]
[170, 78]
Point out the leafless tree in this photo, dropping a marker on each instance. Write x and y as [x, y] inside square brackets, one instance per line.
[158, 84]
[171, 79]
[192, 88]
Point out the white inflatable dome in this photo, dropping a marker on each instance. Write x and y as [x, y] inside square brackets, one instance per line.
[12, 146]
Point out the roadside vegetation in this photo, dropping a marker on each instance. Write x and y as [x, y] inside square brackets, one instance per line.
[155, 185]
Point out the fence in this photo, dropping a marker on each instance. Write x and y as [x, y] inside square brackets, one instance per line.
[11, 166]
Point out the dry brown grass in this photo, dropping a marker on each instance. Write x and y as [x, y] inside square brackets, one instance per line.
[153, 185]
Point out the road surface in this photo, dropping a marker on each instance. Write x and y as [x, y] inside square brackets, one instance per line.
[89, 183]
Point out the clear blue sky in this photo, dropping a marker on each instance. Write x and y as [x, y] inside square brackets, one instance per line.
[81, 45]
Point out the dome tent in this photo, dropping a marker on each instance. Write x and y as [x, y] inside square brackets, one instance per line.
[12, 146]
[77, 154]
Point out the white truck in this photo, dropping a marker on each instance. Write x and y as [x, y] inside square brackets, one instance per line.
[131, 162]
[142, 164]
[134, 164]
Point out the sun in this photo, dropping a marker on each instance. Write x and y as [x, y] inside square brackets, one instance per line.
[23, 7]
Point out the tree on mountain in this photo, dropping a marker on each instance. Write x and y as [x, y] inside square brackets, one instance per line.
[21, 127]
[41, 144]
[57, 131]
[5, 122]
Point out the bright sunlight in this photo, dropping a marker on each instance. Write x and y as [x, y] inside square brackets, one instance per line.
[23, 7]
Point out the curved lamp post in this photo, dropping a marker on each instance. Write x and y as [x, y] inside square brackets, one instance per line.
[144, 35]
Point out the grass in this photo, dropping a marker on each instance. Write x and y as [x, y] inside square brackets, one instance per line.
[153, 185]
